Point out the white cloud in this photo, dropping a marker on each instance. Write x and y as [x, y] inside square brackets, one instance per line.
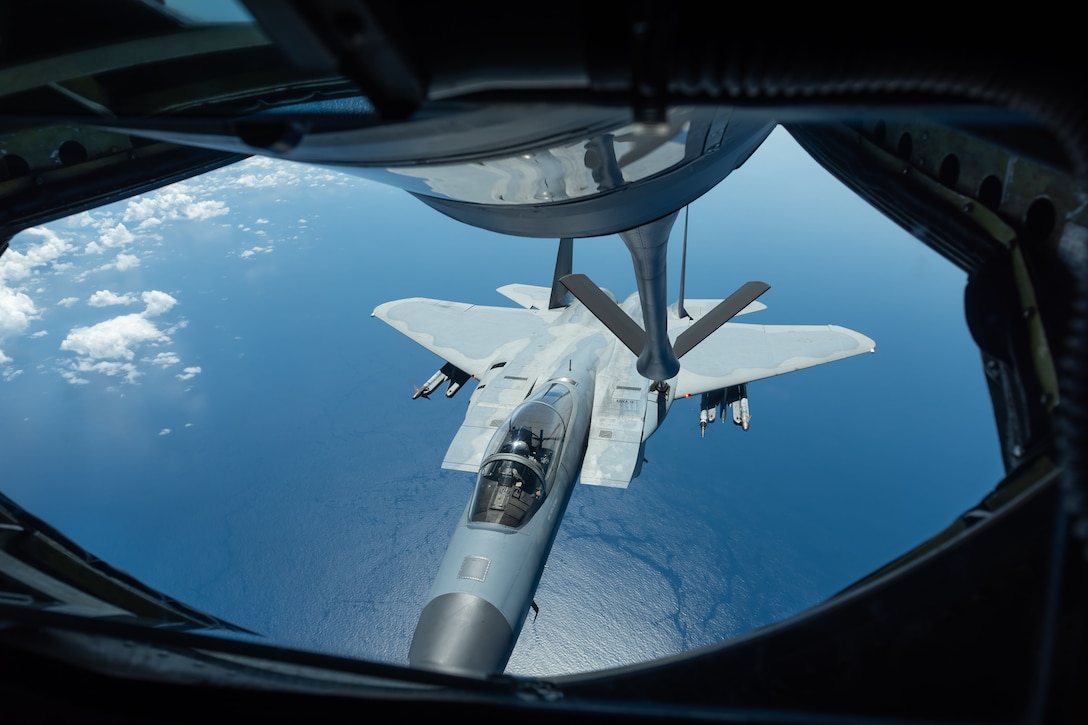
[141, 208]
[110, 368]
[19, 265]
[261, 221]
[113, 339]
[4, 358]
[109, 347]
[201, 210]
[109, 238]
[16, 311]
[173, 202]
[164, 359]
[125, 261]
[104, 298]
[157, 302]
[254, 251]
[40, 333]
[68, 301]
[189, 373]
[121, 262]
[164, 432]
[181, 325]
[83, 219]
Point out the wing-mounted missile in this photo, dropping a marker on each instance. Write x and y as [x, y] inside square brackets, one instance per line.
[433, 382]
[715, 403]
[708, 408]
[449, 371]
[736, 396]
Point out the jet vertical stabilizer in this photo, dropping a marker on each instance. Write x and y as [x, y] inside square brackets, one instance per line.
[564, 265]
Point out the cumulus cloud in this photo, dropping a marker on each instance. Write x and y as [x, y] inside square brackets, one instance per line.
[172, 203]
[16, 311]
[157, 303]
[164, 432]
[105, 298]
[113, 339]
[68, 301]
[126, 261]
[260, 174]
[19, 265]
[7, 372]
[82, 219]
[109, 238]
[188, 373]
[110, 368]
[120, 263]
[164, 359]
[254, 251]
[40, 333]
[109, 347]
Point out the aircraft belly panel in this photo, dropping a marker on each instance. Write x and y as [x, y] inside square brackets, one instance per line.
[615, 434]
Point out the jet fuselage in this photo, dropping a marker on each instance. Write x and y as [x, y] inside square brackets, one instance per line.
[496, 556]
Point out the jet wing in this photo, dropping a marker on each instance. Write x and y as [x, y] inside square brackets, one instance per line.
[740, 353]
[468, 336]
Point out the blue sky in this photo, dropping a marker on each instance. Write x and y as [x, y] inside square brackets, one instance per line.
[193, 389]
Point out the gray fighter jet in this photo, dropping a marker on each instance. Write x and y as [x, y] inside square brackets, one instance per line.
[570, 388]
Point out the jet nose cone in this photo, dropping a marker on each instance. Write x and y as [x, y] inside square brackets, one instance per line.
[461, 634]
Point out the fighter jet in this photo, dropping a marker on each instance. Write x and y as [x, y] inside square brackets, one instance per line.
[570, 387]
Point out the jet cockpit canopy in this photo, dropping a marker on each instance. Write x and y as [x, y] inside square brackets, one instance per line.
[518, 469]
